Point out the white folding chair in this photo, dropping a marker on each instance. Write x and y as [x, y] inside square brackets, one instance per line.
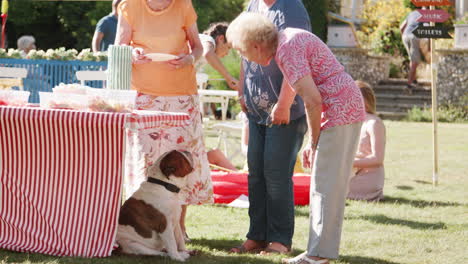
[231, 145]
[10, 77]
[83, 76]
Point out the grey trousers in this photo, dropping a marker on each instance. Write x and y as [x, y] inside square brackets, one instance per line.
[329, 185]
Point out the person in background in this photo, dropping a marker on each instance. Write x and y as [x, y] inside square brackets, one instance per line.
[276, 131]
[368, 181]
[411, 43]
[106, 28]
[170, 27]
[36, 78]
[25, 44]
[335, 111]
[215, 47]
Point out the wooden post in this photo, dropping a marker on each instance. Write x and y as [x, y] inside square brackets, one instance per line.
[435, 172]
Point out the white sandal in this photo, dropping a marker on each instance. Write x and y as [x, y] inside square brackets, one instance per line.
[303, 259]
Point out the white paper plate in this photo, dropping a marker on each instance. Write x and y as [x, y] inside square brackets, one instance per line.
[161, 56]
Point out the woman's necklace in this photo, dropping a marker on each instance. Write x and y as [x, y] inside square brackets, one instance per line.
[158, 5]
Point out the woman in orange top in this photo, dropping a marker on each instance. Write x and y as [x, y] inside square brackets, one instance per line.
[168, 26]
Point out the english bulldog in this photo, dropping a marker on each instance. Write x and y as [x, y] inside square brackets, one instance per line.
[149, 219]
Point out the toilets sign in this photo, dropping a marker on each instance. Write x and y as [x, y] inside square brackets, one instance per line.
[431, 32]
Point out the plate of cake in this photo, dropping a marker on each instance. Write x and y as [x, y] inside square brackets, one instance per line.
[161, 56]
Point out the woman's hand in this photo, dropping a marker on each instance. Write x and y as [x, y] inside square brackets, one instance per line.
[233, 83]
[183, 61]
[308, 156]
[139, 57]
[280, 115]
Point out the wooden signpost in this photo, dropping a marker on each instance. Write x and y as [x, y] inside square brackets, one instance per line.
[433, 32]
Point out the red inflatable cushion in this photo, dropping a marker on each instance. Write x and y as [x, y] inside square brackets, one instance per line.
[228, 186]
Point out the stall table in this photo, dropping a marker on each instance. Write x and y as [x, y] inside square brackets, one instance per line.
[61, 177]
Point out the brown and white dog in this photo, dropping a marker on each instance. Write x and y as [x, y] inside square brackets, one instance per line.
[149, 219]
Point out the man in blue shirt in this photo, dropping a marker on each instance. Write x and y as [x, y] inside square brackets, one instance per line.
[106, 29]
[276, 132]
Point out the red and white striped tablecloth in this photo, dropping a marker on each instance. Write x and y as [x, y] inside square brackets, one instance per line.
[61, 177]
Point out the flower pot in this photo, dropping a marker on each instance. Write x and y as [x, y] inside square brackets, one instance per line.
[461, 35]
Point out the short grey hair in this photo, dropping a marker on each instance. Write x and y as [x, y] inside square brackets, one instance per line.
[25, 41]
[249, 28]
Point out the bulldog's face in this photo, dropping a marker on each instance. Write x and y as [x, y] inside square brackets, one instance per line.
[176, 163]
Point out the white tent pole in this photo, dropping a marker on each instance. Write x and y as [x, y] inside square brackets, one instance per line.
[435, 173]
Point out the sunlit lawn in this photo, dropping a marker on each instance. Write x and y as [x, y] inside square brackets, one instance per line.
[416, 223]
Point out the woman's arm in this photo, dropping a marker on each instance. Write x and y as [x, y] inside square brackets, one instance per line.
[215, 62]
[194, 41]
[376, 132]
[195, 47]
[123, 36]
[96, 43]
[281, 111]
[306, 88]
[403, 26]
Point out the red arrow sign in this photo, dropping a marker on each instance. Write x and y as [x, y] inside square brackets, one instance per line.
[433, 15]
[431, 2]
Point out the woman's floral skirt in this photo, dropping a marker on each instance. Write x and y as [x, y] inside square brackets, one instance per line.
[157, 141]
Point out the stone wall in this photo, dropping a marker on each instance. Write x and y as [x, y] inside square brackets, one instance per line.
[452, 76]
[362, 66]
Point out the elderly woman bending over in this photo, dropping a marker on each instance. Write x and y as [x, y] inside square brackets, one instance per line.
[335, 111]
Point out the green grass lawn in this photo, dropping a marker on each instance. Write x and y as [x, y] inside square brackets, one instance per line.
[416, 222]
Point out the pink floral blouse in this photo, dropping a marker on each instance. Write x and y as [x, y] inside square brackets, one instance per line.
[300, 53]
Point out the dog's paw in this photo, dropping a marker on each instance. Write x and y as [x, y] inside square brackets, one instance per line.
[179, 256]
[185, 254]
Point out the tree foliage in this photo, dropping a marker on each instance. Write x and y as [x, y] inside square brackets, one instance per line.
[72, 24]
[210, 11]
[55, 24]
[318, 11]
[380, 29]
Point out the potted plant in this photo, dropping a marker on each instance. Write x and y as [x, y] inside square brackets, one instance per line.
[461, 32]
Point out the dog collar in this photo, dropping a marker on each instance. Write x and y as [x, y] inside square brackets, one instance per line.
[169, 186]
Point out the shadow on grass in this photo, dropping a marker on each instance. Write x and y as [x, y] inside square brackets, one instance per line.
[204, 257]
[382, 219]
[222, 244]
[363, 260]
[301, 212]
[417, 203]
[226, 244]
[422, 182]
[216, 244]
[7, 256]
[404, 187]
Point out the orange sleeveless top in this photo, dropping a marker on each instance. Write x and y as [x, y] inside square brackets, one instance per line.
[162, 32]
